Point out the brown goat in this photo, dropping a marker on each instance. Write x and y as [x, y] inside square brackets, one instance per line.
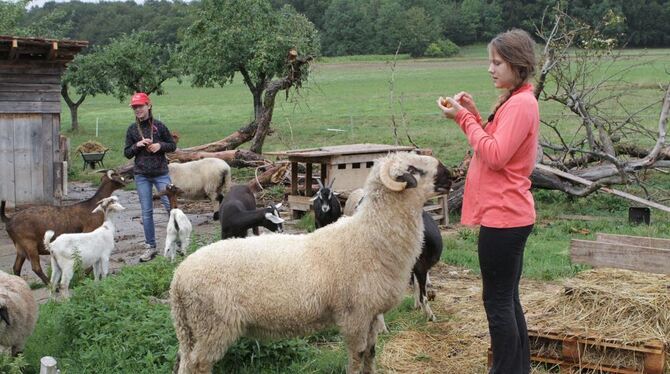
[27, 227]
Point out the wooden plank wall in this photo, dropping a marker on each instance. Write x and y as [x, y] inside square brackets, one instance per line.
[29, 130]
[27, 156]
[7, 159]
[29, 88]
[620, 256]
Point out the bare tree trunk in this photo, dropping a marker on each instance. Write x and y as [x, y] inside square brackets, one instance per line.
[231, 141]
[73, 106]
[235, 157]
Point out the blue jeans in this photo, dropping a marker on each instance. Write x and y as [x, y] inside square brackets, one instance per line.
[145, 186]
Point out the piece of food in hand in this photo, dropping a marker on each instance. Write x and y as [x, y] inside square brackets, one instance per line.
[446, 103]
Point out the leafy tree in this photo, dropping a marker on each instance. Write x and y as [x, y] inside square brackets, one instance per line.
[10, 14]
[314, 10]
[348, 30]
[129, 64]
[50, 25]
[87, 74]
[417, 31]
[136, 63]
[252, 39]
[389, 26]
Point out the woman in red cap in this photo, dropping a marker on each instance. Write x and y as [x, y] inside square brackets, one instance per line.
[148, 140]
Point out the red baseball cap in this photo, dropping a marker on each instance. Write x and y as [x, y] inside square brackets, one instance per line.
[140, 98]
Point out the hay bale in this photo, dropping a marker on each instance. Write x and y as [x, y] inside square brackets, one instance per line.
[91, 146]
[624, 306]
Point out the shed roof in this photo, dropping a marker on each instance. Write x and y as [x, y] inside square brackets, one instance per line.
[57, 51]
[324, 153]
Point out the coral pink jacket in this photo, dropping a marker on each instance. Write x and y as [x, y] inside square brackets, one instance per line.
[497, 186]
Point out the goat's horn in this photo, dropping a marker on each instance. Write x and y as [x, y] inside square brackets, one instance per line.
[109, 173]
[387, 180]
[318, 180]
[330, 185]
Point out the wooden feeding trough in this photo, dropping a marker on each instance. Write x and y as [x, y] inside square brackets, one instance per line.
[347, 166]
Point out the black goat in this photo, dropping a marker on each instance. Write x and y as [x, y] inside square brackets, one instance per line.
[430, 255]
[327, 208]
[238, 213]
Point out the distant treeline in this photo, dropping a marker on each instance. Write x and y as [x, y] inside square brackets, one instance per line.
[351, 27]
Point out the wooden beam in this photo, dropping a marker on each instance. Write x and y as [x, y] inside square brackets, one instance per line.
[640, 241]
[14, 51]
[612, 191]
[53, 52]
[621, 256]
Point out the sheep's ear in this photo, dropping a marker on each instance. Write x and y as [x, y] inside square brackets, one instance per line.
[314, 197]
[274, 219]
[278, 206]
[4, 315]
[337, 193]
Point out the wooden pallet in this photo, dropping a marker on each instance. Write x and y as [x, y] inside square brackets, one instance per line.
[570, 355]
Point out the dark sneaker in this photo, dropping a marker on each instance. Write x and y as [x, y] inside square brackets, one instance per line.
[149, 254]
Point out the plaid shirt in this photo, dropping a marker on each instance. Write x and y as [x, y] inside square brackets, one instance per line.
[147, 163]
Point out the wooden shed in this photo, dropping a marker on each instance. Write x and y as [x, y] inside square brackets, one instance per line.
[347, 166]
[31, 164]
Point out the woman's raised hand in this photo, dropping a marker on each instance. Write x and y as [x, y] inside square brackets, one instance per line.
[465, 99]
[143, 142]
[448, 106]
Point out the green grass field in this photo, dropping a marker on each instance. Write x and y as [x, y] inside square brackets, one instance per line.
[113, 326]
[349, 94]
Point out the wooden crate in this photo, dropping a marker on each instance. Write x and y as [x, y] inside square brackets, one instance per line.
[580, 354]
[637, 253]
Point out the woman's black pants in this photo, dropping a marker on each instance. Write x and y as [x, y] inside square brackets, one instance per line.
[501, 262]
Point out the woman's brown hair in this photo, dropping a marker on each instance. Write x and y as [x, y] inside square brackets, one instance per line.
[517, 48]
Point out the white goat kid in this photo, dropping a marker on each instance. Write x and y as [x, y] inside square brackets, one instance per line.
[92, 248]
[179, 227]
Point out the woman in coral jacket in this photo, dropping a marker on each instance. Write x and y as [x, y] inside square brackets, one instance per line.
[497, 190]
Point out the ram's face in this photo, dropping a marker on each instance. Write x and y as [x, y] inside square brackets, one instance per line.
[404, 171]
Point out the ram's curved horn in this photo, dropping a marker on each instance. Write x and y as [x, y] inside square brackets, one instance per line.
[387, 179]
[409, 178]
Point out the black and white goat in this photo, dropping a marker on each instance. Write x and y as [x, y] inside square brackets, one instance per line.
[431, 251]
[238, 214]
[327, 208]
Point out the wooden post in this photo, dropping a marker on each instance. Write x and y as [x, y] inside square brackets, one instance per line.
[308, 180]
[324, 173]
[48, 365]
[444, 201]
[294, 178]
